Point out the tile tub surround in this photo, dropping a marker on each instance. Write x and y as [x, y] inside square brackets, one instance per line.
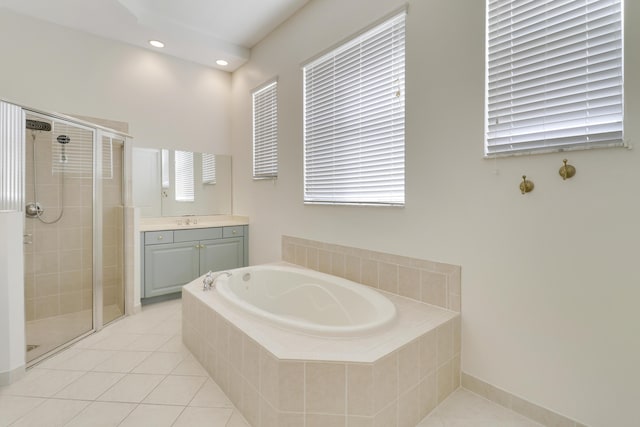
[277, 377]
[426, 281]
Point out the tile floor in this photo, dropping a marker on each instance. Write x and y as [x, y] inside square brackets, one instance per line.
[136, 372]
[49, 333]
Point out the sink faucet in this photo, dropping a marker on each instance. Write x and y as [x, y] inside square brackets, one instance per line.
[209, 281]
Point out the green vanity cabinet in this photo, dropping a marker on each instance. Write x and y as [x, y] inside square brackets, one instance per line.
[173, 258]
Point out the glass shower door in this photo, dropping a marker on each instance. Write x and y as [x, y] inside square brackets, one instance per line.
[58, 248]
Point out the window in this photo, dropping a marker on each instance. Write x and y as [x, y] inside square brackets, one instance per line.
[554, 75]
[166, 182]
[208, 168]
[184, 176]
[354, 120]
[265, 131]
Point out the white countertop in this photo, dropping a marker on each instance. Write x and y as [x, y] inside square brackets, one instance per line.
[189, 222]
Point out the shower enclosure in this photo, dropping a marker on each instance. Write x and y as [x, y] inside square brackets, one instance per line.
[73, 232]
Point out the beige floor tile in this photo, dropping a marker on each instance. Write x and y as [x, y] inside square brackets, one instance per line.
[84, 360]
[102, 414]
[152, 416]
[89, 386]
[116, 341]
[211, 395]
[64, 355]
[148, 342]
[170, 326]
[41, 383]
[175, 390]
[203, 417]
[14, 407]
[237, 420]
[132, 388]
[175, 345]
[190, 366]
[93, 339]
[159, 363]
[52, 413]
[466, 409]
[122, 361]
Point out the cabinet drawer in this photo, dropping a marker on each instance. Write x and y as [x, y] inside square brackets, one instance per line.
[233, 231]
[197, 234]
[157, 237]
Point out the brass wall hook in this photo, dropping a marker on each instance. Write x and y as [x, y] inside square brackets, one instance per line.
[526, 186]
[566, 170]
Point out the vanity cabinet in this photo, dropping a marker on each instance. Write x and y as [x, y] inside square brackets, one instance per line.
[172, 258]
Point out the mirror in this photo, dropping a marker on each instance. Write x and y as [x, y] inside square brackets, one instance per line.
[175, 183]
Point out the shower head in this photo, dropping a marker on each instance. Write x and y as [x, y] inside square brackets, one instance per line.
[37, 125]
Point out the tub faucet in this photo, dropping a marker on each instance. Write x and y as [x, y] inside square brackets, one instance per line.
[209, 281]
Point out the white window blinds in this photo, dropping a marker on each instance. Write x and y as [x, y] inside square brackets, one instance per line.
[184, 176]
[208, 168]
[554, 75]
[265, 131]
[354, 120]
[72, 149]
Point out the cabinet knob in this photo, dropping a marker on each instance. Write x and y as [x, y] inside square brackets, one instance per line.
[234, 231]
[160, 237]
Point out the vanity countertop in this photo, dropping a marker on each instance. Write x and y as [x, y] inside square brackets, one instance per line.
[188, 222]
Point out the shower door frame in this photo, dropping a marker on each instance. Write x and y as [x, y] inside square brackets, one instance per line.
[97, 223]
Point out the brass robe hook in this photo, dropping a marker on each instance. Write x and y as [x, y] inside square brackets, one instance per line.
[526, 186]
[566, 171]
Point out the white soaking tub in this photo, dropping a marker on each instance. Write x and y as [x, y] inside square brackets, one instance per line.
[306, 301]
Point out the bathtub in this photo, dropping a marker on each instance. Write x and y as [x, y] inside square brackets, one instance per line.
[272, 371]
[306, 301]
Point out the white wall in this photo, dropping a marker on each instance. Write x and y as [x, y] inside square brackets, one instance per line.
[550, 279]
[167, 102]
[12, 313]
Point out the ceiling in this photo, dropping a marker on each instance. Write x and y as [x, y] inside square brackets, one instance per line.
[201, 31]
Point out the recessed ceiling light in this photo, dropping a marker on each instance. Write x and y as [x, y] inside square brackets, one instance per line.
[222, 62]
[156, 43]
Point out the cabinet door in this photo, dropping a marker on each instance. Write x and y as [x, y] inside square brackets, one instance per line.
[168, 267]
[221, 254]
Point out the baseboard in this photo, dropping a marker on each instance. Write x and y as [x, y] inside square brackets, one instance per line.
[12, 376]
[517, 404]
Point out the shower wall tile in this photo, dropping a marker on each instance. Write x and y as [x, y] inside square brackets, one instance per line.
[46, 285]
[70, 302]
[422, 280]
[47, 307]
